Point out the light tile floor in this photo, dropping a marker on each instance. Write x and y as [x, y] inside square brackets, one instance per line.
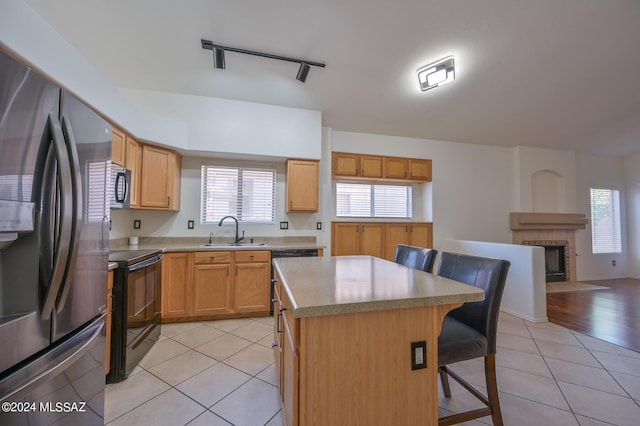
[222, 372]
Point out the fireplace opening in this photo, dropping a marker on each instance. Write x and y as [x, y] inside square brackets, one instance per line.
[554, 263]
[556, 259]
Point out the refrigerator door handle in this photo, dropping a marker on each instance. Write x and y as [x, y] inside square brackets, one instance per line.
[61, 249]
[76, 213]
[52, 363]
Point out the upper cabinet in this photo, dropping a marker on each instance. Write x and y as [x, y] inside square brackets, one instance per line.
[159, 178]
[356, 166]
[302, 186]
[118, 148]
[133, 162]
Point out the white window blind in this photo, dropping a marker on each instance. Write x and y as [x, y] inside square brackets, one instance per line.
[96, 199]
[367, 200]
[246, 193]
[605, 221]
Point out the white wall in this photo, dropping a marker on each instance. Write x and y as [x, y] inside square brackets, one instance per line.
[632, 178]
[472, 189]
[235, 127]
[608, 173]
[31, 40]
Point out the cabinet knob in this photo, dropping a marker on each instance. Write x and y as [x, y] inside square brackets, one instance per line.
[274, 300]
[274, 345]
[283, 308]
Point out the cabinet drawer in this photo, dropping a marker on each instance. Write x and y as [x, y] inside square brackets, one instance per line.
[252, 256]
[202, 257]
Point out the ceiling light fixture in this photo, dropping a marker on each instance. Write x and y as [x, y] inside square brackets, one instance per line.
[218, 58]
[437, 74]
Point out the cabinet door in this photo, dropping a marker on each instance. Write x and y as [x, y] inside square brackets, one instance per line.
[289, 382]
[277, 333]
[118, 147]
[421, 234]
[344, 239]
[251, 287]
[345, 164]
[395, 233]
[371, 166]
[395, 168]
[211, 289]
[133, 162]
[420, 170]
[176, 284]
[302, 186]
[160, 179]
[372, 239]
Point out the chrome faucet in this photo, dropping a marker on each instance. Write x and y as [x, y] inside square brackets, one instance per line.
[237, 240]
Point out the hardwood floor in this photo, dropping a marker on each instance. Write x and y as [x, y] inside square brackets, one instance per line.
[612, 315]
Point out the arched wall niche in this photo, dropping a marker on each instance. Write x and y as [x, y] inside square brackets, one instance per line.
[548, 191]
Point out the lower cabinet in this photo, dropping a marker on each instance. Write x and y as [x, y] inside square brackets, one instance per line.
[413, 234]
[215, 284]
[285, 347]
[378, 239]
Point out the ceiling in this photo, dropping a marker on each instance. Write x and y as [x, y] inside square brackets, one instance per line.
[548, 73]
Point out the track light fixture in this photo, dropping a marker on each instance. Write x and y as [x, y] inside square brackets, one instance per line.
[218, 58]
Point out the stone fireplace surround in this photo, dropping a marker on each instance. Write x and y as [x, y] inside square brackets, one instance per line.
[550, 228]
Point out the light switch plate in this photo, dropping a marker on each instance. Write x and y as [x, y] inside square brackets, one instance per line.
[418, 355]
[137, 224]
[284, 225]
[190, 224]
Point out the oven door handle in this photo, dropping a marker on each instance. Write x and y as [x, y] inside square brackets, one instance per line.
[145, 263]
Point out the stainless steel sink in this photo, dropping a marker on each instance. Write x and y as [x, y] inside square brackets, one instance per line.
[233, 245]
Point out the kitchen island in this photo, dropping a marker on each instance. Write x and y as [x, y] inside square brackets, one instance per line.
[343, 333]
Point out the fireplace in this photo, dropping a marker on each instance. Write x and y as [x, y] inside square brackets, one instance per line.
[556, 233]
[556, 258]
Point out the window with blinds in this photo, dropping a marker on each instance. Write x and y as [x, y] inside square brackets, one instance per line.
[96, 196]
[605, 221]
[247, 193]
[367, 200]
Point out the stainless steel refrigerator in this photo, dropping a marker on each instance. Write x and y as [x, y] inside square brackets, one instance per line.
[54, 244]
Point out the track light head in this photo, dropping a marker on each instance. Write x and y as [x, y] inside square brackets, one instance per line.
[218, 58]
[303, 72]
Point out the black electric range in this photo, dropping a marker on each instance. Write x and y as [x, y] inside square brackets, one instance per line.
[136, 308]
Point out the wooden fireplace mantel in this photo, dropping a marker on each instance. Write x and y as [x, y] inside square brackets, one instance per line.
[521, 221]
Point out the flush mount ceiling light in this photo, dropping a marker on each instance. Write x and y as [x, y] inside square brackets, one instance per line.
[437, 74]
[218, 58]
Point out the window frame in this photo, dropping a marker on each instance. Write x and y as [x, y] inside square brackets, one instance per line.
[612, 243]
[372, 200]
[240, 207]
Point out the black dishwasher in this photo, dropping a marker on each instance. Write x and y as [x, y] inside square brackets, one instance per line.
[275, 254]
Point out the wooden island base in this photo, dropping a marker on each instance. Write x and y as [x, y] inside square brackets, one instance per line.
[356, 368]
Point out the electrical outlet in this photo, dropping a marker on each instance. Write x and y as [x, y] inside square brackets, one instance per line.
[284, 225]
[613, 263]
[190, 224]
[418, 355]
[137, 224]
[319, 226]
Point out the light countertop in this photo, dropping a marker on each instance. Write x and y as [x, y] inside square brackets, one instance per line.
[327, 285]
[180, 244]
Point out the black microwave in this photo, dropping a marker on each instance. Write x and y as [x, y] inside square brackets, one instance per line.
[120, 187]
